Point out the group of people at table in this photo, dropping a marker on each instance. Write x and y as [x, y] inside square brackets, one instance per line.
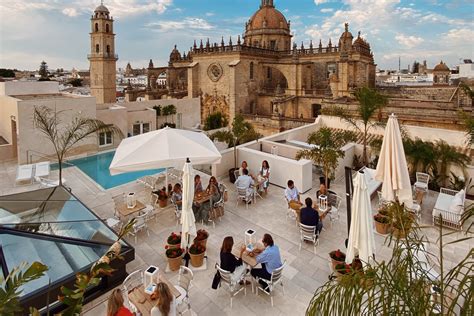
[165, 302]
[251, 181]
[201, 209]
[268, 257]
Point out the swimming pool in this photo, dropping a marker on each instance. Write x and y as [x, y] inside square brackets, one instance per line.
[97, 168]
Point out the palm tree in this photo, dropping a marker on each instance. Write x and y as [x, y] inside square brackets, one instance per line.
[447, 156]
[327, 149]
[370, 104]
[65, 136]
[240, 133]
[421, 155]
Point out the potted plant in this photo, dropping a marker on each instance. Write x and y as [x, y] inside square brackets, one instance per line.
[382, 224]
[196, 254]
[174, 240]
[162, 197]
[241, 132]
[341, 269]
[201, 237]
[175, 257]
[402, 220]
[337, 257]
[327, 151]
[369, 276]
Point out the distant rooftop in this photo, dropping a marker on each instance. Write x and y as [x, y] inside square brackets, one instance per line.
[46, 96]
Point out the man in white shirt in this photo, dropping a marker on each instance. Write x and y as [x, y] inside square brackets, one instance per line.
[292, 195]
[245, 181]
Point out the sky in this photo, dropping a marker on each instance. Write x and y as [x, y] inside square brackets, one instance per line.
[57, 31]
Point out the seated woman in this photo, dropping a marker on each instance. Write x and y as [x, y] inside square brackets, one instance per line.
[115, 305]
[229, 262]
[177, 196]
[242, 167]
[197, 184]
[265, 174]
[201, 211]
[166, 305]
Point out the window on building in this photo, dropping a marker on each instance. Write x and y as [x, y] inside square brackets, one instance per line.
[141, 128]
[331, 69]
[108, 49]
[105, 139]
[269, 73]
[255, 43]
[97, 27]
[107, 28]
[97, 48]
[251, 70]
[273, 45]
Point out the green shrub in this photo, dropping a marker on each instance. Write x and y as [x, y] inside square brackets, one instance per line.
[215, 121]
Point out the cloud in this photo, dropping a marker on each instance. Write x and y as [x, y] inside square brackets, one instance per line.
[72, 12]
[118, 8]
[187, 23]
[327, 10]
[318, 2]
[408, 41]
[210, 14]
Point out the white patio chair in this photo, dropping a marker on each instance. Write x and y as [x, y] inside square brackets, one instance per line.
[140, 224]
[233, 286]
[334, 211]
[243, 196]
[309, 233]
[24, 173]
[271, 285]
[443, 207]
[185, 278]
[113, 222]
[119, 201]
[291, 213]
[382, 201]
[237, 173]
[132, 281]
[177, 211]
[422, 180]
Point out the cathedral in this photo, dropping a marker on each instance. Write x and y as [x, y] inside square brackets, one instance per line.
[264, 73]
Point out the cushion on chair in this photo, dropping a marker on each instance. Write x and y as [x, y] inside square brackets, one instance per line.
[457, 203]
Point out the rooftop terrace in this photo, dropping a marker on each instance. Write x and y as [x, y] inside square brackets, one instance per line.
[304, 273]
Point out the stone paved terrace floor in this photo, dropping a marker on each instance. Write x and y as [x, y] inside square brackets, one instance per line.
[305, 270]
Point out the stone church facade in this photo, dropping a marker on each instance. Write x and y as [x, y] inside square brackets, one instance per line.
[264, 73]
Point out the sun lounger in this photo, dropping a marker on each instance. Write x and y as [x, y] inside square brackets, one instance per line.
[42, 169]
[47, 183]
[450, 213]
[24, 173]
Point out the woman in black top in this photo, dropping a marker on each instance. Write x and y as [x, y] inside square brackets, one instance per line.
[229, 262]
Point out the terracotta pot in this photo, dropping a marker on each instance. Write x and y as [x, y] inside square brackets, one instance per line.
[197, 260]
[175, 263]
[335, 263]
[399, 233]
[382, 228]
[163, 203]
[201, 242]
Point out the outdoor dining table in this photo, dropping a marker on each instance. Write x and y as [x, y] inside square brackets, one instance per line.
[143, 301]
[322, 214]
[124, 211]
[202, 197]
[246, 257]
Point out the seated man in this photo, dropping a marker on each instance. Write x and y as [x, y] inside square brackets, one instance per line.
[310, 217]
[292, 195]
[269, 258]
[245, 181]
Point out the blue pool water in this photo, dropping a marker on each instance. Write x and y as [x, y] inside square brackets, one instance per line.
[97, 168]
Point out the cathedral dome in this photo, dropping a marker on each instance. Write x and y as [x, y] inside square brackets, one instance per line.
[268, 17]
[441, 67]
[101, 8]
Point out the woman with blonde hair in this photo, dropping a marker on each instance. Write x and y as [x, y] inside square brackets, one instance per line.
[115, 305]
[166, 303]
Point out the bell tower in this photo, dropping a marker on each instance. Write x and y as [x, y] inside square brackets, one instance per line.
[102, 57]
